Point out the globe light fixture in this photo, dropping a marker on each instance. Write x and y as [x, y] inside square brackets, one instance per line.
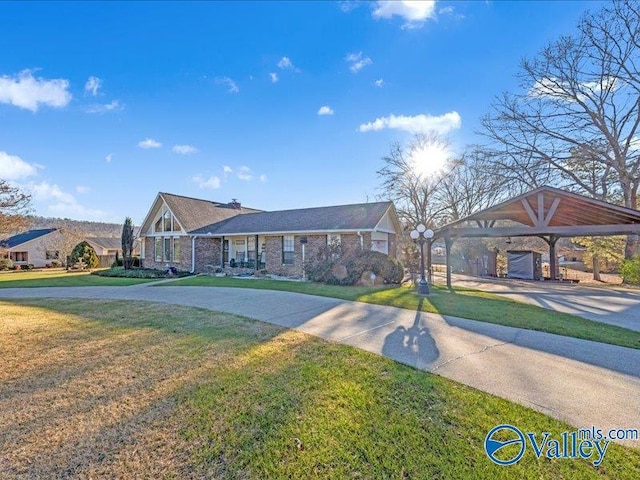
[422, 235]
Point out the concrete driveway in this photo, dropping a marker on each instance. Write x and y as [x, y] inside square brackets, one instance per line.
[615, 306]
[584, 383]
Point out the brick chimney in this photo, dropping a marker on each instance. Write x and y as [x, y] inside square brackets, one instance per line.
[235, 204]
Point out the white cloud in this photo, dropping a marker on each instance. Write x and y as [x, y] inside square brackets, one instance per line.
[109, 157]
[113, 106]
[226, 171]
[263, 178]
[82, 189]
[274, 77]
[348, 5]
[357, 61]
[64, 204]
[13, 167]
[414, 12]
[446, 10]
[553, 87]
[184, 149]
[325, 110]
[149, 143]
[93, 85]
[45, 191]
[285, 63]
[233, 88]
[26, 91]
[210, 183]
[379, 83]
[244, 173]
[441, 124]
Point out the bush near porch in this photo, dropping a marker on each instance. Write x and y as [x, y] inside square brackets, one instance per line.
[334, 265]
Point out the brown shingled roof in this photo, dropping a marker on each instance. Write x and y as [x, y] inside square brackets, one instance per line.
[362, 216]
[195, 213]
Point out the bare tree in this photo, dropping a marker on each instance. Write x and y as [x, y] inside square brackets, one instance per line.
[469, 186]
[578, 99]
[409, 180]
[65, 241]
[14, 208]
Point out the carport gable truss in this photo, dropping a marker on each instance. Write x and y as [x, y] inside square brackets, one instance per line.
[548, 213]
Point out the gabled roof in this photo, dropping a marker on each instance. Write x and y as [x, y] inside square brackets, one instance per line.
[25, 237]
[195, 213]
[548, 211]
[110, 243]
[362, 216]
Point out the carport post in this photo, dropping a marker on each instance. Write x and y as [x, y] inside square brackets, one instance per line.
[552, 257]
[448, 242]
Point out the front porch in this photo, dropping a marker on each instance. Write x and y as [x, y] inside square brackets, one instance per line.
[243, 252]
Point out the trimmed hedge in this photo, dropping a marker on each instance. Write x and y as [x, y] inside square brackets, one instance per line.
[83, 252]
[119, 262]
[139, 273]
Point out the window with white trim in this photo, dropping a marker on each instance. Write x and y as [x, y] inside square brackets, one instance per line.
[158, 249]
[334, 239]
[19, 256]
[177, 249]
[166, 252]
[239, 247]
[165, 222]
[288, 250]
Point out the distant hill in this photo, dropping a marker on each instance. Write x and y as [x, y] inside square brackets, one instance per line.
[90, 229]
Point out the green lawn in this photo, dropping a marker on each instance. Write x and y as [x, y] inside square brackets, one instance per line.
[115, 389]
[459, 302]
[61, 278]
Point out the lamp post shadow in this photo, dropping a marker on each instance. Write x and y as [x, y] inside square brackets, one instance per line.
[412, 346]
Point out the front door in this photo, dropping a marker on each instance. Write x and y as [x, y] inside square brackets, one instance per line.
[225, 252]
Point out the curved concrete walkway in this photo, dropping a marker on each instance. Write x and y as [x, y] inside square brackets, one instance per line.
[615, 306]
[584, 383]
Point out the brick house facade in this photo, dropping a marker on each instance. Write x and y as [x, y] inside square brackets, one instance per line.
[194, 235]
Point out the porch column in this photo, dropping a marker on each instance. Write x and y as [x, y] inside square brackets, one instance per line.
[257, 249]
[222, 252]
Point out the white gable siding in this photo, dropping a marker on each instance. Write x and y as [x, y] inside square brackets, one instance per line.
[385, 224]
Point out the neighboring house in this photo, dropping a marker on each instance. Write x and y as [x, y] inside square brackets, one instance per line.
[105, 245]
[31, 247]
[191, 234]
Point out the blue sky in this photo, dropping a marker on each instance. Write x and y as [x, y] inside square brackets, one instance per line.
[278, 104]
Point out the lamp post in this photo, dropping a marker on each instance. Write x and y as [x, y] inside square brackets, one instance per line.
[421, 235]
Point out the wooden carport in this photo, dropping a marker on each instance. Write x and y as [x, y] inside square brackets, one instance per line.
[546, 212]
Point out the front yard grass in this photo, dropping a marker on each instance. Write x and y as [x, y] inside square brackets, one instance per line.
[61, 278]
[459, 302]
[115, 389]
